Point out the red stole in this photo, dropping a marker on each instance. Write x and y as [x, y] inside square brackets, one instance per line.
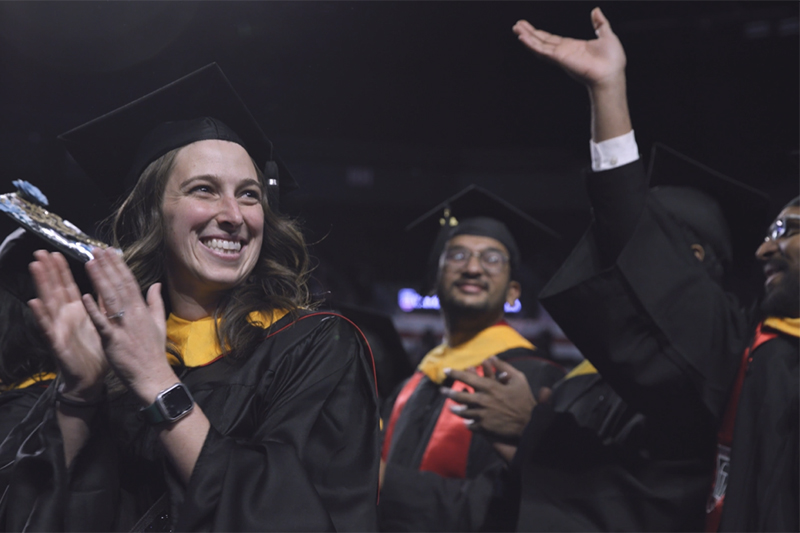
[448, 448]
[725, 434]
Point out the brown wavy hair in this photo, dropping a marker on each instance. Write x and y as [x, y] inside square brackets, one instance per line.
[279, 281]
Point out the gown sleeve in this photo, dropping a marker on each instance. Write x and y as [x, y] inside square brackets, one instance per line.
[636, 302]
[311, 463]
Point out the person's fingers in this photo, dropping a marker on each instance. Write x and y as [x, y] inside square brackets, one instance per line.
[507, 368]
[544, 395]
[539, 41]
[41, 315]
[600, 22]
[128, 285]
[155, 303]
[41, 275]
[48, 283]
[464, 411]
[468, 398]
[473, 380]
[98, 318]
[488, 370]
[104, 285]
[71, 290]
[522, 26]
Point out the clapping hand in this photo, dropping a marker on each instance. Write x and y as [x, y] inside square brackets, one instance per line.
[133, 331]
[72, 336]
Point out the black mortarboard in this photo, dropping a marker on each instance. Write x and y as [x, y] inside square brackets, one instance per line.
[476, 211]
[392, 363]
[736, 208]
[115, 148]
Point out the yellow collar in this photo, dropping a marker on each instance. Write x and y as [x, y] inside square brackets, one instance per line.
[491, 341]
[196, 340]
[790, 326]
[36, 378]
[585, 367]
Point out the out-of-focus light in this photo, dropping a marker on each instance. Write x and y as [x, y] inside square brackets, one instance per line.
[410, 300]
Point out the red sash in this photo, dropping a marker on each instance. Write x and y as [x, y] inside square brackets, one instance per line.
[405, 393]
[725, 435]
[448, 448]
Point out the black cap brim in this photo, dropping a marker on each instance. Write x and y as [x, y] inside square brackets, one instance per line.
[433, 228]
[107, 148]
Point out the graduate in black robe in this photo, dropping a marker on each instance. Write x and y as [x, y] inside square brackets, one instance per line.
[757, 490]
[438, 476]
[631, 447]
[267, 416]
[291, 447]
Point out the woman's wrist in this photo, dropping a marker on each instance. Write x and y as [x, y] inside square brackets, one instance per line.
[79, 398]
[147, 390]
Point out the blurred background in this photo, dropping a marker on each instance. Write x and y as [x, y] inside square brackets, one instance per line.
[383, 109]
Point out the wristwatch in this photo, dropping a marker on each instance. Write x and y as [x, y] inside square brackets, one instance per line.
[171, 405]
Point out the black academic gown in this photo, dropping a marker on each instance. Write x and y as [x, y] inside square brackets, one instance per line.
[414, 500]
[762, 492]
[15, 404]
[666, 339]
[293, 446]
[590, 462]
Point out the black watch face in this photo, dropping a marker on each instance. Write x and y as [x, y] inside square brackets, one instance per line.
[176, 401]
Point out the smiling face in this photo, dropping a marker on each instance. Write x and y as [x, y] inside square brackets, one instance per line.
[469, 288]
[781, 259]
[213, 219]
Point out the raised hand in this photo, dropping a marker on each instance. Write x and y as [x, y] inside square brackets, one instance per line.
[500, 406]
[594, 62]
[64, 321]
[133, 331]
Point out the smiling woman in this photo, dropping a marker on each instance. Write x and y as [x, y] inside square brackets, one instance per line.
[214, 222]
[261, 415]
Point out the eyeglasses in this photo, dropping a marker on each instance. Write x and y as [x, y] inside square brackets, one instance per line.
[492, 261]
[782, 228]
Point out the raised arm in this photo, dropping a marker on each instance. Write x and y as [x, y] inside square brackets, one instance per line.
[599, 64]
[618, 196]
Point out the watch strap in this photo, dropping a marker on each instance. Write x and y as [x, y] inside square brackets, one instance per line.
[157, 412]
[152, 414]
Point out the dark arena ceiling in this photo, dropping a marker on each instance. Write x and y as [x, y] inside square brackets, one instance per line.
[383, 109]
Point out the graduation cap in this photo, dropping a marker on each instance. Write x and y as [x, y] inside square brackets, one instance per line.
[476, 211]
[115, 148]
[392, 363]
[728, 214]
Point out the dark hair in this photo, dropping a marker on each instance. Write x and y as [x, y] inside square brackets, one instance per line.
[794, 203]
[24, 351]
[277, 282]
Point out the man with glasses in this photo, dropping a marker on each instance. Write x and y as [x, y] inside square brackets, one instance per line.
[627, 442]
[437, 475]
[758, 490]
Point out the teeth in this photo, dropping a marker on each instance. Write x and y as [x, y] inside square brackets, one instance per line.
[222, 245]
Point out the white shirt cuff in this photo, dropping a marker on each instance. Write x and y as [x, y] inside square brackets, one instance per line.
[613, 153]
